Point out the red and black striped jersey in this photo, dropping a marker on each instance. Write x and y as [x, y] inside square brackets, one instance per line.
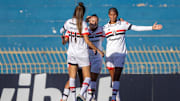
[77, 44]
[115, 34]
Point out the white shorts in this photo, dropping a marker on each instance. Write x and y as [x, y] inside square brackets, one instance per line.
[96, 64]
[79, 61]
[115, 61]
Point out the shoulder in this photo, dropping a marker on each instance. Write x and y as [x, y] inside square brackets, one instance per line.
[125, 23]
[106, 26]
[100, 27]
[68, 21]
[84, 23]
[84, 26]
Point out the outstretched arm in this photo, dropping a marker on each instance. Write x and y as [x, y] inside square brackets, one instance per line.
[147, 28]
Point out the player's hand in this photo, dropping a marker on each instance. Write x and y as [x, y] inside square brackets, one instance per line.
[157, 26]
[121, 19]
[101, 53]
[63, 39]
[95, 51]
[87, 18]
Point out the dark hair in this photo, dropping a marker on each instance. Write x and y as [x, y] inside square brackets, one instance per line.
[95, 16]
[114, 10]
[79, 14]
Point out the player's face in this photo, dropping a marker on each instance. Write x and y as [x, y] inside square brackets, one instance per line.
[112, 16]
[93, 22]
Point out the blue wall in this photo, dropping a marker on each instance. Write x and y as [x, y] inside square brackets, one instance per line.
[41, 17]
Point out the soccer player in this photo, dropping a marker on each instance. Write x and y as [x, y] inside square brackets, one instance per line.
[116, 46]
[96, 37]
[77, 54]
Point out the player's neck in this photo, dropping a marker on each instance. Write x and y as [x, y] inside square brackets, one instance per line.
[113, 22]
[94, 29]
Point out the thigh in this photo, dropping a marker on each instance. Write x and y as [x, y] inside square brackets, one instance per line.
[71, 59]
[119, 60]
[86, 71]
[111, 72]
[83, 61]
[96, 64]
[110, 63]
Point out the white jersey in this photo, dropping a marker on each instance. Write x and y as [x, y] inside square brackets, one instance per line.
[115, 34]
[96, 37]
[77, 45]
[116, 46]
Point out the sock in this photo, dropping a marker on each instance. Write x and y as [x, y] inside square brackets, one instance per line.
[72, 88]
[91, 91]
[85, 85]
[65, 94]
[85, 94]
[118, 93]
[115, 89]
[118, 96]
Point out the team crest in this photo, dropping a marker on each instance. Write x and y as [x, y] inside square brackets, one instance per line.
[114, 32]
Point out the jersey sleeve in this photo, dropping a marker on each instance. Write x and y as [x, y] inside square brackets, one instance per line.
[141, 28]
[62, 30]
[127, 25]
[104, 30]
[85, 29]
[65, 27]
[103, 33]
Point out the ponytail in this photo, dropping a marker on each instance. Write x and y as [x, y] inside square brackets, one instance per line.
[79, 14]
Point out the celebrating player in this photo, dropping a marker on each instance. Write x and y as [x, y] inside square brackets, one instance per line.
[77, 35]
[116, 46]
[96, 37]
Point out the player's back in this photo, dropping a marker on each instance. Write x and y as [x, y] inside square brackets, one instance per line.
[77, 44]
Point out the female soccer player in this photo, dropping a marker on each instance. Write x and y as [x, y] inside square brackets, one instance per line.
[77, 36]
[116, 47]
[96, 37]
